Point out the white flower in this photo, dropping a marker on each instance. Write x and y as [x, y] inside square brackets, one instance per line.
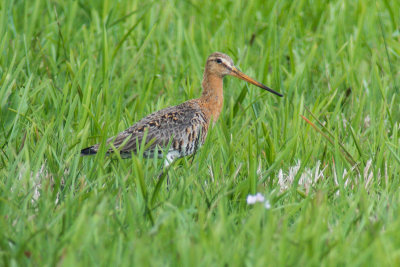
[253, 199]
[259, 197]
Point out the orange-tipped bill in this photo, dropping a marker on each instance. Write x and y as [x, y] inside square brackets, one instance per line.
[237, 73]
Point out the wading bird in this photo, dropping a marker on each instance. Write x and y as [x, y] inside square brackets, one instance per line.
[182, 128]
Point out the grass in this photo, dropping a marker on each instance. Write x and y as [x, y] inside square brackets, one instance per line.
[326, 156]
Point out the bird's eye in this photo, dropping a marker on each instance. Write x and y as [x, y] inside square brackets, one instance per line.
[219, 61]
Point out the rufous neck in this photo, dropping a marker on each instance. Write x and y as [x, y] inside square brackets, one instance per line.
[212, 86]
[212, 95]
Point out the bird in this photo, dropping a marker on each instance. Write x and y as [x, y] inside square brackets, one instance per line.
[180, 130]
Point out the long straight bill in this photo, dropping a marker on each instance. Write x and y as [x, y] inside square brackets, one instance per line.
[237, 73]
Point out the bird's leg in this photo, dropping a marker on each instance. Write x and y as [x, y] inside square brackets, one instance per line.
[162, 174]
[167, 165]
[194, 154]
[196, 146]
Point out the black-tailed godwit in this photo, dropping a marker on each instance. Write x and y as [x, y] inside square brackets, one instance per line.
[182, 128]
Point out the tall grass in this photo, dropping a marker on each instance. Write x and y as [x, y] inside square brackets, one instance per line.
[326, 156]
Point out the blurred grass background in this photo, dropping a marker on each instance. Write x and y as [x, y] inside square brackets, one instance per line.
[73, 73]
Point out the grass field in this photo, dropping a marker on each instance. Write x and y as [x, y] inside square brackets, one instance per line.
[326, 156]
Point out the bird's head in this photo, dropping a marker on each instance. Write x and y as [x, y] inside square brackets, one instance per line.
[221, 65]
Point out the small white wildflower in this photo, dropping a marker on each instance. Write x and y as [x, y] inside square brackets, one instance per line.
[254, 199]
[267, 205]
[259, 197]
[251, 200]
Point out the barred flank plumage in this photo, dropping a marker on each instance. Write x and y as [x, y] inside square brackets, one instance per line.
[181, 125]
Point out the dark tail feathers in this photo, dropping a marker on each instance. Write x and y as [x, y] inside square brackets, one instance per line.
[88, 151]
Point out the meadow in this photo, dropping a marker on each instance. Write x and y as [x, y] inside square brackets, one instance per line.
[326, 156]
